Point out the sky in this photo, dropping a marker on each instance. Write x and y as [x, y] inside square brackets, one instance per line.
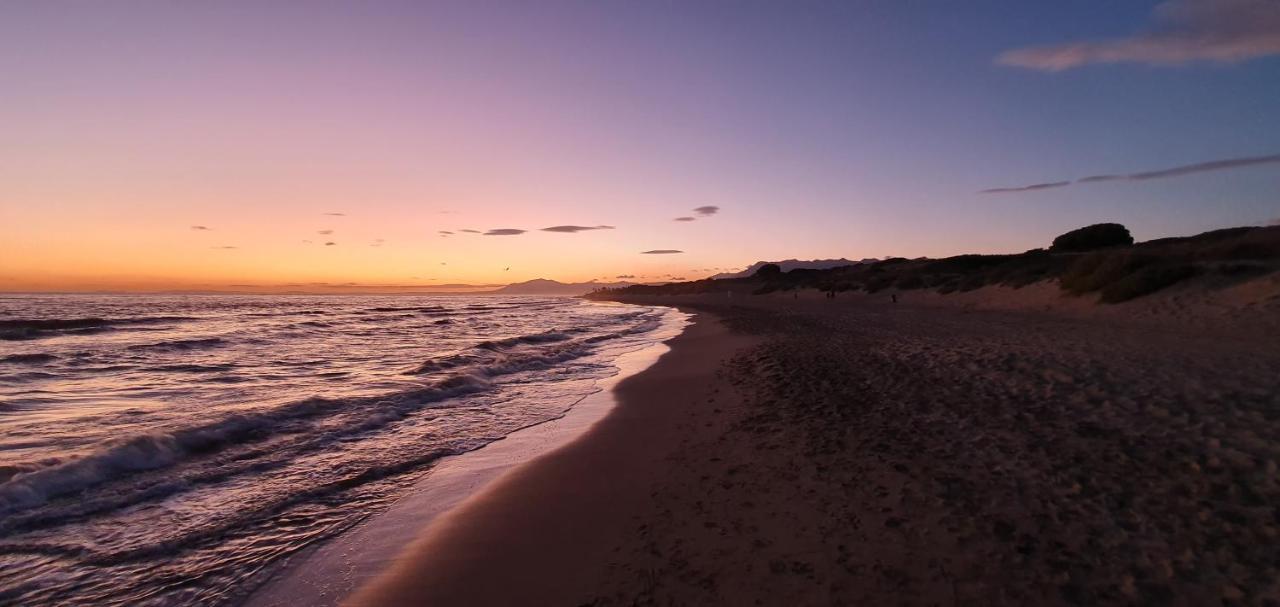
[286, 145]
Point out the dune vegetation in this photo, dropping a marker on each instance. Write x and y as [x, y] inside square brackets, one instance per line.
[1100, 260]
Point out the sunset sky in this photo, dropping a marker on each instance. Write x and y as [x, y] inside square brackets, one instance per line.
[189, 145]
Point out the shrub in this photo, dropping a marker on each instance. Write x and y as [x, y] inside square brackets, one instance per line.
[769, 270]
[1145, 281]
[1088, 238]
[1097, 270]
[910, 281]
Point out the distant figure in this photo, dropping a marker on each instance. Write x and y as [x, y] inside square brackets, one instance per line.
[893, 297]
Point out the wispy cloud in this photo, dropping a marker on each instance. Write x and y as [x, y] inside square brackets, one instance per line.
[202, 228]
[661, 252]
[707, 210]
[324, 232]
[445, 233]
[573, 229]
[1027, 188]
[625, 276]
[330, 243]
[1199, 167]
[1180, 32]
[1178, 171]
[335, 214]
[225, 247]
[685, 219]
[504, 232]
[470, 231]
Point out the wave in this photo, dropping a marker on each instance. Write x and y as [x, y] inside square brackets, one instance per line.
[492, 358]
[120, 458]
[182, 344]
[409, 309]
[28, 359]
[192, 368]
[16, 329]
[553, 335]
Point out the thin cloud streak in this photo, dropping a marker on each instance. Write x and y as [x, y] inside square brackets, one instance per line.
[202, 228]
[1027, 188]
[1199, 167]
[707, 210]
[504, 232]
[685, 219]
[661, 252]
[1178, 171]
[1183, 31]
[575, 229]
[335, 214]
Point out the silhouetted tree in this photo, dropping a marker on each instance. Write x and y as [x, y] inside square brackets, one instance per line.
[769, 270]
[1097, 236]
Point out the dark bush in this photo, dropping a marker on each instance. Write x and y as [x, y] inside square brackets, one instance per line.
[910, 281]
[769, 270]
[1088, 238]
[1097, 270]
[1145, 281]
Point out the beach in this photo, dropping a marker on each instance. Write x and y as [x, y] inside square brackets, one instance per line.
[796, 450]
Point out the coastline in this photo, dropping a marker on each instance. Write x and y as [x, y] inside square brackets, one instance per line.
[546, 529]
[330, 571]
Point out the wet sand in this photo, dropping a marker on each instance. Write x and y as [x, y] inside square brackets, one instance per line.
[813, 452]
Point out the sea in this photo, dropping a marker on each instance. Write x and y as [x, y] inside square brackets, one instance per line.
[173, 449]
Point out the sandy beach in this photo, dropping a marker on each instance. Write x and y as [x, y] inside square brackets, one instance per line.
[797, 450]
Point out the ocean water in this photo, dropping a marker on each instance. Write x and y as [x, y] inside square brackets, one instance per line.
[171, 449]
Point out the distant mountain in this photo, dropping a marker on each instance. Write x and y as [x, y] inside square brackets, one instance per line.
[795, 264]
[542, 286]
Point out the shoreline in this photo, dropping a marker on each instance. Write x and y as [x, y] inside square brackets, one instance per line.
[329, 572]
[867, 452]
[546, 528]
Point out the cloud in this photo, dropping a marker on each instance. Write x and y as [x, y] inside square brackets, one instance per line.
[1181, 32]
[707, 210]
[1178, 171]
[1199, 167]
[225, 247]
[504, 232]
[573, 229]
[471, 231]
[324, 232]
[335, 214]
[202, 228]
[445, 233]
[330, 243]
[661, 252]
[625, 276]
[1027, 188]
[685, 219]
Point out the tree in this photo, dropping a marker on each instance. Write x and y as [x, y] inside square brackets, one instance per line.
[1088, 238]
[769, 270]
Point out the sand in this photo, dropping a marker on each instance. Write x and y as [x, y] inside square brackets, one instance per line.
[805, 451]
[546, 533]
